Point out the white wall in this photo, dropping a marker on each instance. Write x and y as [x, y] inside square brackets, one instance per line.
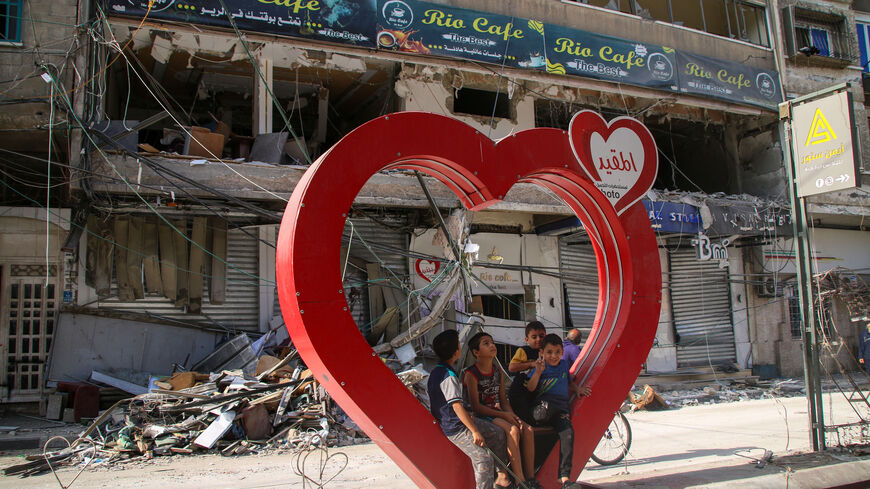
[543, 251]
[831, 248]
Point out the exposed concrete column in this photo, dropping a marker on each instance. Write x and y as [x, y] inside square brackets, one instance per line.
[739, 309]
[663, 356]
[267, 234]
[262, 99]
[732, 149]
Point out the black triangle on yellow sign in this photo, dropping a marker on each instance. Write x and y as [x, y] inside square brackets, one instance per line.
[821, 131]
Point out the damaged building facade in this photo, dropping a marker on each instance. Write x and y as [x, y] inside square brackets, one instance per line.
[141, 207]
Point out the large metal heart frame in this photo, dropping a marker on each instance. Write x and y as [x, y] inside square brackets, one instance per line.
[480, 172]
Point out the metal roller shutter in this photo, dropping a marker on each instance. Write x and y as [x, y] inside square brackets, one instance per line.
[241, 309]
[580, 278]
[382, 242]
[701, 300]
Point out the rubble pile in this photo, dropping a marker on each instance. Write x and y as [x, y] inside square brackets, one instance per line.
[271, 405]
[715, 393]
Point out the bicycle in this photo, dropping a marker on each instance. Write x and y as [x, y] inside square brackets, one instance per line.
[615, 443]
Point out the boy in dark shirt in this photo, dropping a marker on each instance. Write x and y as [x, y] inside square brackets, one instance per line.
[471, 435]
[552, 381]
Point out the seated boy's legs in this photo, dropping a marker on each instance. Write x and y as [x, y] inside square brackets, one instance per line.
[481, 459]
[512, 439]
[561, 422]
[495, 437]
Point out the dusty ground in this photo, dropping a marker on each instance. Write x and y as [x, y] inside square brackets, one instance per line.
[710, 441]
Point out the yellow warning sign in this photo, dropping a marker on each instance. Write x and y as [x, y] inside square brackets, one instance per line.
[820, 130]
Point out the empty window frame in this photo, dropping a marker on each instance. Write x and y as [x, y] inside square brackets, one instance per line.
[482, 103]
[617, 5]
[10, 20]
[745, 20]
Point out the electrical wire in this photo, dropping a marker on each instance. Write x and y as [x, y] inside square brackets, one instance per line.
[259, 280]
[86, 82]
[87, 132]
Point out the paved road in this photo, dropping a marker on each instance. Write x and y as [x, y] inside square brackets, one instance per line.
[679, 440]
[715, 434]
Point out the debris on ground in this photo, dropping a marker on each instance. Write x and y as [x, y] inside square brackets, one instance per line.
[725, 390]
[267, 404]
[649, 400]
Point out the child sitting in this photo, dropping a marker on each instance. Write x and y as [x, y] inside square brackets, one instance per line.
[553, 382]
[485, 390]
[470, 435]
[523, 362]
[520, 398]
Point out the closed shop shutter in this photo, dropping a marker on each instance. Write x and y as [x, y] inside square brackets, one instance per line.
[580, 278]
[385, 242]
[701, 299]
[240, 311]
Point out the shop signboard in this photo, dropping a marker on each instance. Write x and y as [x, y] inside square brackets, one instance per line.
[825, 158]
[670, 217]
[435, 29]
[748, 219]
[340, 21]
[574, 52]
[735, 82]
[440, 30]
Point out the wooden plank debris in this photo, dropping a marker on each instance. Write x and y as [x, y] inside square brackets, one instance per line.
[98, 267]
[151, 263]
[218, 283]
[181, 256]
[168, 267]
[197, 264]
[125, 290]
[134, 257]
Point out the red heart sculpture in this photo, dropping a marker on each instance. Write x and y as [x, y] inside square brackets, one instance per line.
[425, 274]
[480, 172]
[620, 156]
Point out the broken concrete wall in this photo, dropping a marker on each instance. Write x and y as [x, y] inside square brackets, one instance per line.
[429, 90]
[110, 344]
[763, 173]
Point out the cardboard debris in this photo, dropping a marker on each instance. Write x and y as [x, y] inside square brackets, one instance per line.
[649, 400]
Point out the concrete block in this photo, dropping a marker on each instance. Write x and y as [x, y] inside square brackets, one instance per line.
[662, 360]
[69, 415]
[56, 405]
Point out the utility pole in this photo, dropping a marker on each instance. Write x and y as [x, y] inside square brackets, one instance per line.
[820, 153]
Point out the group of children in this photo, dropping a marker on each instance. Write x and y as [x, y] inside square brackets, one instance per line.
[484, 421]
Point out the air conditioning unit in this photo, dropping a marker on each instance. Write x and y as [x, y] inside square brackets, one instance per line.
[769, 287]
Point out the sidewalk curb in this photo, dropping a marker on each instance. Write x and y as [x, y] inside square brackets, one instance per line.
[842, 475]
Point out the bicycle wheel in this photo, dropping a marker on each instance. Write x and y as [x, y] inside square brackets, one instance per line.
[615, 443]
